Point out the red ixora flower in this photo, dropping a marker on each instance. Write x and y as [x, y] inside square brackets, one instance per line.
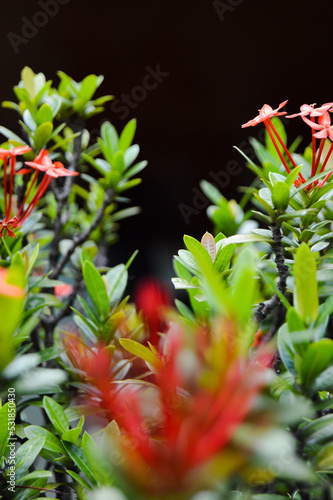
[42, 163]
[265, 113]
[322, 129]
[310, 110]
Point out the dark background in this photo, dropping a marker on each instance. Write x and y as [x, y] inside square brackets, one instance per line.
[224, 62]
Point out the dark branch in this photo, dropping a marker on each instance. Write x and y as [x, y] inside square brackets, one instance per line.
[264, 309]
[78, 239]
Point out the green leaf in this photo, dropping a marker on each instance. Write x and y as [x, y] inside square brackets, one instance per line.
[51, 443]
[127, 135]
[80, 480]
[10, 135]
[266, 205]
[131, 154]
[28, 78]
[317, 358]
[306, 300]
[79, 458]
[117, 281]
[72, 435]
[27, 454]
[96, 289]
[118, 162]
[110, 139]
[42, 135]
[293, 176]
[88, 87]
[223, 257]
[185, 311]
[4, 429]
[87, 327]
[280, 196]
[199, 252]
[286, 349]
[243, 278]
[140, 351]
[264, 155]
[56, 415]
[212, 193]
[319, 430]
[44, 114]
[94, 458]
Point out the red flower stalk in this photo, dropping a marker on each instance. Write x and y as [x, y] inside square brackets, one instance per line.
[153, 300]
[190, 418]
[42, 163]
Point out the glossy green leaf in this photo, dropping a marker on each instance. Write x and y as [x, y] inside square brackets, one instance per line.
[56, 415]
[140, 351]
[127, 135]
[79, 458]
[42, 135]
[110, 138]
[280, 196]
[44, 114]
[96, 289]
[27, 454]
[199, 252]
[52, 443]
[317, 358]
[306, 300]
[72, 435]
[223, 257]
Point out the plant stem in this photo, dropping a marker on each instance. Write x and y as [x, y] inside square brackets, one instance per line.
[78, 239]
[264, 309]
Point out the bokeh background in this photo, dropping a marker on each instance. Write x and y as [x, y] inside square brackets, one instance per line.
[221, 60]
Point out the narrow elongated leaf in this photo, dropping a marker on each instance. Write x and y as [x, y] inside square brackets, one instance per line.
[306, 289]
[127, 135]
[79, 458]
[96, 289]
[198, 251]
[56, 415]
[140, 351]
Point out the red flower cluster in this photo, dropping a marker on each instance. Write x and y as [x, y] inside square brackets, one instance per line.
[171, 435]
[322, 129]
[94, 365]
[42, 163]
[152, 299]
